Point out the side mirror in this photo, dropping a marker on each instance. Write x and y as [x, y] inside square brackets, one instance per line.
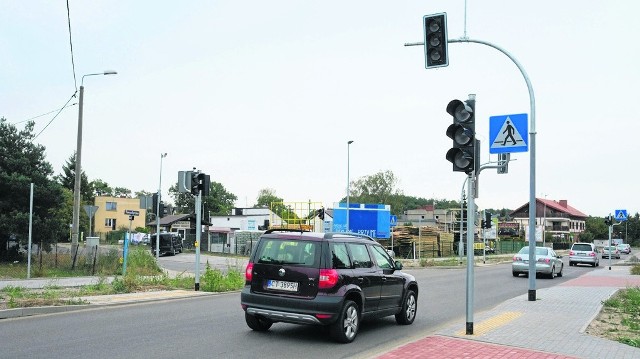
[398, 265]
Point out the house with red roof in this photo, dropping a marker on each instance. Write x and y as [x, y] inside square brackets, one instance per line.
[560, 221]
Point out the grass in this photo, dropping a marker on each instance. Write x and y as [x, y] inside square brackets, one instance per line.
[624, 308]
[143, 274]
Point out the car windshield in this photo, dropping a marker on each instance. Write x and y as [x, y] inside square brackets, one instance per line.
[539, 251]
[609, 248]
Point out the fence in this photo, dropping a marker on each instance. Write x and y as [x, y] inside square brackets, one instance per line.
[60, 261]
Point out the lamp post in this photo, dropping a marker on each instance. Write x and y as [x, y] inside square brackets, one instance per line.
[348, 183]
[78, 169]
[162, 155]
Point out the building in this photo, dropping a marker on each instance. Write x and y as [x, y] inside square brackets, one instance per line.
[110, 215]
[560, 221]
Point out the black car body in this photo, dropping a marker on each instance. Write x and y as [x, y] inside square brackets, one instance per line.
[333, 279]
[170, 243]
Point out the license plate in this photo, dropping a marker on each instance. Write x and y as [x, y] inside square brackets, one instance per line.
[282, 285]
[582, 254]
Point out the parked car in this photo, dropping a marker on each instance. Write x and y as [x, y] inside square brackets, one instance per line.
[170, 243]
[325, 279]
[610, 252]
[583, 253]
[624, 248]
[547, 262]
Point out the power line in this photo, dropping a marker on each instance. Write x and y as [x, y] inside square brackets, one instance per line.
[44, 114]
[73, 65]
[54, 117]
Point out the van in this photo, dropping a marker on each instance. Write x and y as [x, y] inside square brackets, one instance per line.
[170, 243]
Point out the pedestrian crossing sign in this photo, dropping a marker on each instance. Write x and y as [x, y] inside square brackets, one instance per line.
[508, 133]
[621, 215]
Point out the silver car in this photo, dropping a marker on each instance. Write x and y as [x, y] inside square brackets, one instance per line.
[547, 262]
[583, 253]
[612, 252]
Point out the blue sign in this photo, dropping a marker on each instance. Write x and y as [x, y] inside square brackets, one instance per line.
[394, 220]
[508, 133]
[621, 215]
[373, 220]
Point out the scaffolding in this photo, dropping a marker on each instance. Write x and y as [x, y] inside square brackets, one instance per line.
[297, 215]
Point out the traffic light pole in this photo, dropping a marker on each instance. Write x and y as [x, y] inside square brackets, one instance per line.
[532, 169]
[471, 220]
[198, 235]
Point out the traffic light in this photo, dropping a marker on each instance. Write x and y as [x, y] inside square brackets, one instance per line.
[193, 186]
[161, 212]
[435, 40]
[608, 220]
[464, 155]
[487, 220]
[320, 213]
[154, 203]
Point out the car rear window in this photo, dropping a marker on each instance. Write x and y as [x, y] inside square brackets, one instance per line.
[582, 247]
[539, 251]
[282, 252]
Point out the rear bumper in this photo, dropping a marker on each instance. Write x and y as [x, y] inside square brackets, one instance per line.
[583, 259]
[524, 268]
[292, 310]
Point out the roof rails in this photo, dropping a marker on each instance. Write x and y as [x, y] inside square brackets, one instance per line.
[330, 235]
[284, 230]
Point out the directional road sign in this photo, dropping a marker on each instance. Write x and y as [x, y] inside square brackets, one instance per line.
[508, 133]
[131, 212]
[621, 215]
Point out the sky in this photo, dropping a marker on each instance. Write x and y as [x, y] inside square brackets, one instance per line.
[267, 94]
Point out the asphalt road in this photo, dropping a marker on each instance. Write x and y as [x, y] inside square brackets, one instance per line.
[214, 327]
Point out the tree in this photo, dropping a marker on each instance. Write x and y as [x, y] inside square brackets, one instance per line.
[218, 202]
[267, 198]
[101, 188]
[22, 162]
[376, 188]
[68, 177]
[122, 192]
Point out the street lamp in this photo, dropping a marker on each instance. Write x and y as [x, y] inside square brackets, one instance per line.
[348, 183]
[162, 155]
[78, 169]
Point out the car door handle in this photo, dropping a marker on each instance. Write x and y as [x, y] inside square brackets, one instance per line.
[360, 280]
[384, 279]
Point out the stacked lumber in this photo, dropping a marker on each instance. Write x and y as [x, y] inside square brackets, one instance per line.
[429, 242]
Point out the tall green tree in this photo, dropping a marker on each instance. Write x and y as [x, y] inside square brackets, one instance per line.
[218, 202]
[122, 192]
[22, 162]
[68, 177]
[267, 198]
[101, 188]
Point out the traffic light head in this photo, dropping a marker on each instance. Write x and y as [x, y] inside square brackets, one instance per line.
[435, 40]
[487, 220]
[608, 220]
[464, 153]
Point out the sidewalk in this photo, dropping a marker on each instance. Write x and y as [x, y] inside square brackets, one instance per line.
[551, 327]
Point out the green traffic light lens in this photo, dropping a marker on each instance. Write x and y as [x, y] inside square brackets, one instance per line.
[435, 55]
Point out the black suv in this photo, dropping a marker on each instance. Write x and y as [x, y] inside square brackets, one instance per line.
[170, 243]
[331, 279]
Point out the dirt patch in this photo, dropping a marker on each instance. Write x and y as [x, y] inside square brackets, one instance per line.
[608, 324]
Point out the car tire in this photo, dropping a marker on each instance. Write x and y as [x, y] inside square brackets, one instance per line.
[345, 329]
[515, 274]
[553, 273]
[256, 323]
[560, 273]
[407, 314]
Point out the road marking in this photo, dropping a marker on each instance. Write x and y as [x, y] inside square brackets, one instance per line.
[492, 323]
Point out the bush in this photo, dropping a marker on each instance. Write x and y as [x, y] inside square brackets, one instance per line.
[635, 269]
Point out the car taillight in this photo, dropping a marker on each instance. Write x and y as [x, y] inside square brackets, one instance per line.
[517, 259]
[592, 254]
[571, 253]
[544, 260]
[328, 278]
[248, 273]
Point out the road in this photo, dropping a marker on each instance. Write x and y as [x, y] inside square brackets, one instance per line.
[213, 326]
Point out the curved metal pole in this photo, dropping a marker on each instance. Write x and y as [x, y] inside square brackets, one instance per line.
[532, 171]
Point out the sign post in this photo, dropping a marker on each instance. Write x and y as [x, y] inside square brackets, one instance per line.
[125, 249]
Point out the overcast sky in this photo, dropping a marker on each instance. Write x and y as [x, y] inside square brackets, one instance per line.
[266, 94]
